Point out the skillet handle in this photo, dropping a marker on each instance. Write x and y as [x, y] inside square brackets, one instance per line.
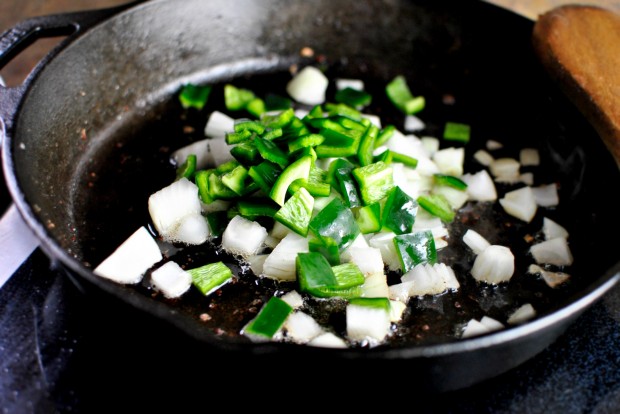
[25, 33]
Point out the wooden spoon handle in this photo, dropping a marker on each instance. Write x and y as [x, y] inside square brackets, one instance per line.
[580, 48]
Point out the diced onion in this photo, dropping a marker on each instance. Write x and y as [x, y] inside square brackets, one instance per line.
[219, 151]
[475, 241]
[551, 229]
[328, 340]
[368, 259]
[397, 308]
[520, 204]
[294, 299]
[192, 229]
[401, 291]
[199, 148]
[456, 198]
[431, 144]
[384, 242]
[546, 195]
[430, 279]
[552, 279]
[491, 324]
[493, 145]
[256, 263]
[367, 323]
[280, 264]
[474, 328]
[480, 186]
[527, 178]
[128, 263]
[219, 124]
[483, 157]
[171, 280]
[375, 286]
[505, 167]
[301, 327]
[450, 161]
[554, 251]
[523, 314]
[308, 86]
[356, 84]
[496, 264]
[529, 157]
[243, 237]
[413, 123]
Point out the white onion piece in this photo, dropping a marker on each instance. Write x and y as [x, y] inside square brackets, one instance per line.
[308, 86]
[529, 157]
[342, 83]
[493, 145]
[456, 198]
[505, 167]
[450, 161]
[192, 229]
[171, 280]
[546, 195]
[328, 340]
[474, 328]
[491, 324]
[128, 263]
[301, 327]
[384, 242]
[523, 314]
[413, 123]
[552, 279]
[496, 264]
[219, 151]
[279, 230]
[527, 178]
[271, 242]
[480, 186]
[294, 299]
[199, 148]
[368, 259]
[219, 124]
[367, 323]
[401, 291]
[375, 286]
[171, 204]
[431, 144]
[552, 230]
[280, 264]
[554, 251]
[256, 263]
[483, 157]
[508, 179]
[475, 241]
[217, 205]
[397, 308]
[243, 237]
[407, 144]
[430, 279]
[520, 204]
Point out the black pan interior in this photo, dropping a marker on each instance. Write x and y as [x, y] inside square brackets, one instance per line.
[97, 127]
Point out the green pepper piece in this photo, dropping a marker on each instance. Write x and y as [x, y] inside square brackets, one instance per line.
[374, 180]
[246, 153]
[377, 303]
[298, 169]
[415, 248]
[194, 96]
[249, 125]
[297, 212]
[369, 218]
[350, 280]
[313, 273]
[404, 159]
[256, 107]
[327, 247]
[275, 102]
[385, 156]
[455, 131]
[399, 93]
[210, 277]
[271, 152]
[279, 120]
[256, 208]
[399, 212]
[218, 220]
[187, 169]
[235, 180]
[337, 222]
[316, 183]
[201, 178]
[384, 135]
[449, 180]
[309, 140]
[265, 175]
[347, 187]
[236, 98]
[269, 320]
[344, 110]
[353, 97]
[438, 206]
[367, 145]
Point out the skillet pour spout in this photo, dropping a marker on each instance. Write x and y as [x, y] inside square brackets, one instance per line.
[87, 139]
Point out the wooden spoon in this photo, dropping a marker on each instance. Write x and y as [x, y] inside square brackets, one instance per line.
[580, 48]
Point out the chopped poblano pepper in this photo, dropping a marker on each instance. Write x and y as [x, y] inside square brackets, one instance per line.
[347, 187]
[210, 277]
[455, 131]
[335, 165]
[399, 212]
[327, 247]
[271, 152]
[337, 222]
[438, 206]
[415, 248]
[296, 170]
[236, 180]
[187, 169]
[350, 280]
[449, 180]
[314, 273]
[369, 218]
[353, 97]
[297, 212]
[194, 96]
[246, 153]
[237, 98]
[260, 208]
[218, 190]
[218, 220]
[375, 181]
[265, 175]
[399, 93]
[269, 320]
[316, 183]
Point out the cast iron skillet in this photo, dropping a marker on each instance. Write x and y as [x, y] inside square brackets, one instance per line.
[87, 137]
